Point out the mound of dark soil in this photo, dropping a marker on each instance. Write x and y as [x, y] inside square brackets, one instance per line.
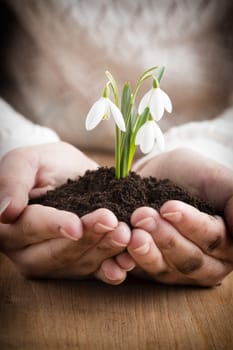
[100, 189]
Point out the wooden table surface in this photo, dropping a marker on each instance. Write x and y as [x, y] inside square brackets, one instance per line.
[91, 315]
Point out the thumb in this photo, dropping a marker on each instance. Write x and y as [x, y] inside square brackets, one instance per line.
[17, 178]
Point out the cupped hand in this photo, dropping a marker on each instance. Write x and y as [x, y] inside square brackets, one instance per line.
[44, 241]
[48, 243]
[31, 171]
[180, 244]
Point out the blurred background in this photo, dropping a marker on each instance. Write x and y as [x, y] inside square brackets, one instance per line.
[54, 54]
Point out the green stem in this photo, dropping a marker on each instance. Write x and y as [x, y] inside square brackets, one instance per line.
[131, 156]
[118, 154]
[132, 101]
[125, 142]
[127, 120]
[125, 155]
[140, 120]
[112, 83]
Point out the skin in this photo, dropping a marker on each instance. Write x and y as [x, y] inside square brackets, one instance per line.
[50, 243]
[178, 245]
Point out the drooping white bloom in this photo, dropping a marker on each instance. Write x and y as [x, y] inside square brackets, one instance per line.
[146, 136]
[156, 100]
[102, 109]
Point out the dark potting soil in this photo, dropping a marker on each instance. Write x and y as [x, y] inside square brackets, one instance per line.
[100, 189]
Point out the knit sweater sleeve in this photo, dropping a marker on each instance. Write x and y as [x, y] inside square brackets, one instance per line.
[17, 131]
[212, 138]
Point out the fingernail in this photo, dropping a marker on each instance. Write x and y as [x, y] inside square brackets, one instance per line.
[130, 268]
[142, 250]
[174, 216]
[111, 277]
[149, 224]
[67, 234]
[4, 204]
[100, 228]
[117, 244]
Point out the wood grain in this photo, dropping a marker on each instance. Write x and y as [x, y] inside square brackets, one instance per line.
[91, 315]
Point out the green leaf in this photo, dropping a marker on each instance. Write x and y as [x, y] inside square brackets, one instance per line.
[159, 73]
[125, 144]
[113, 85]
[125, 154]
[128, 114]
[117, 153]
[125, 100]
[141, 119]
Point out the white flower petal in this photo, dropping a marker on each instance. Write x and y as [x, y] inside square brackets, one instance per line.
[166, 101]
[139, 135]
[117, 115]
[145, 137]
[157, 105]
[158, 135]
[96, 114]
[145, 101]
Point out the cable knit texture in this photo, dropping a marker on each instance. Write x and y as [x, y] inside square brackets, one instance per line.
[16, 131]
[56, 60]
[212, 139]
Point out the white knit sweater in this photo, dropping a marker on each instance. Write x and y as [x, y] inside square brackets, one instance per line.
[63, 47]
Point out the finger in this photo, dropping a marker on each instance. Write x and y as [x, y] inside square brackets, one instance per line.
[103, 237]
[47, 259]
[37, 224]
[96, 224]
[177, 250]
[110, 273]
[141, 241]
[206, 231]
[110, 245]
[125, 261]
[141, 214]
[146, 254]
[181, 254]
[16, 180]
[61, 258]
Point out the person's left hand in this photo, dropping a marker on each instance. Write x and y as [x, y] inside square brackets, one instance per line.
[180, 244]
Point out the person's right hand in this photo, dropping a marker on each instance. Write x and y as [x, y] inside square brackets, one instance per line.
[44, 242]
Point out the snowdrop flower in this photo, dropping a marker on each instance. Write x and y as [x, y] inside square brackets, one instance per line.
[102, 109]
[146, 136]
[132, 129]
[156, 100]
